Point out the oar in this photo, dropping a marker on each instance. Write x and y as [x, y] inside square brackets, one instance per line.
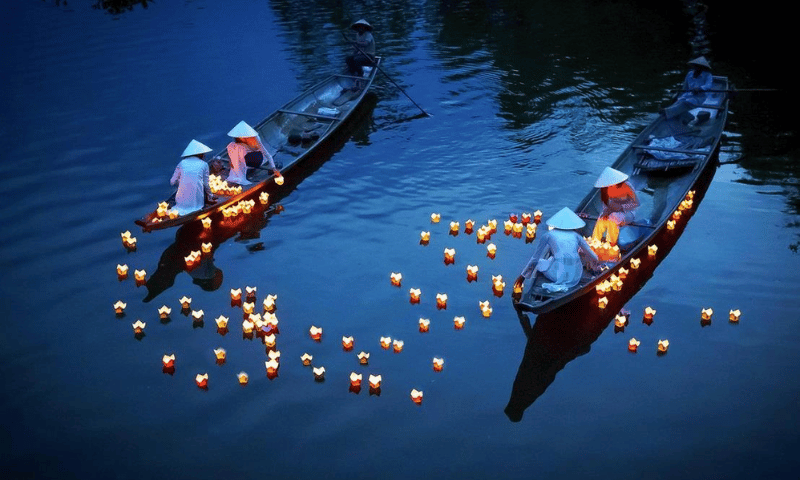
[731, 90]
[387, 75]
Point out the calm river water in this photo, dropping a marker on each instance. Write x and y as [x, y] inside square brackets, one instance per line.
[529, 102]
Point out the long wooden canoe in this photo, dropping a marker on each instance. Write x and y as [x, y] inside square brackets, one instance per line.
[667, 162]
[291, 134]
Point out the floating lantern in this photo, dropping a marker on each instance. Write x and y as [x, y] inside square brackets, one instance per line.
[396, 278]
[164, 312]
[486, 309]
[458, 322]
[686, 204]
[279, 179]
[272, 367]
[201, 380]
[205, 247]
[620, 320]
[347, 343]
[206, 222]
[119, 307]
[454, 226]
[140, 275]
[435, 217]
[670, 224]
[602, 287]
[516, 231]
[397, 346]
[602, 302]
[734, 315]
[236, 294]
[363, 358]
[221, 355]
[414, 295]
[491, 250]
[248, 308]
[162, 209]
[193, 259]
[438, 364]
[122, 271]
[247, 327]
[512, 217]
[616, 283]
[468, 226]
[243, 378]
[263, 198]
[472, 273]
[271, 322]
[424, 325]
[530, 231]
[518, 289]
[306, 358]
[526, 218]
[635, 262]
[449, 255]
[186, 302]
[375, 381]
[424, 237]
[441, 301]
[386, 342]
[168, 361]
[651, 250]
[270, 303]
[676, 215]
[270, 340]
[319, 373]
[315, 332]
[649, 313]
[706, 313]
[623, 273]
[498, 285]
[416, 396]
[633, 345]
[274, 355]
[197, 316]
[508, 225]
[492, 225]
[138, 327]
[256, 319]
[537, 216]
[250, 294]
[481, 235]
[690, 194]
[355, 379]
[222, 321]
[663, 346]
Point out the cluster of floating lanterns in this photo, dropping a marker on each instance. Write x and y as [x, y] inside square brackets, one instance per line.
[239, 208]
[221, 187]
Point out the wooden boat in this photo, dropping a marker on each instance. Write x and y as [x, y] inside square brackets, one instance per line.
[291, 134]
[667, 163]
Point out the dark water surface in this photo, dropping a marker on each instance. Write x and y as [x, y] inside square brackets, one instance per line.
[530, 101]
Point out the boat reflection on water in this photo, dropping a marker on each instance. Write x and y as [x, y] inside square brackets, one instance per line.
[190, 237]
[558, 337]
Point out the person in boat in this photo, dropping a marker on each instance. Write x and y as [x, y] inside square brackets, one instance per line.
[694, 91]
[619, 204]
[560, 253]
[247, 151]
[191, 176]
[364, 48]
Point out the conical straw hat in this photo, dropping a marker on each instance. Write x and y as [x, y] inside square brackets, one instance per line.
[610, 177]
[362, 23]
[242, 130]
[565, 219]
[194, 148]
[700, 61]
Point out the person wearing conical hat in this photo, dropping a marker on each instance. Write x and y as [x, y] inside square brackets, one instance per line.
[619, 203]
[191, 176]
[560, 253]
[247, 151]
[364, 48]
[694, 91]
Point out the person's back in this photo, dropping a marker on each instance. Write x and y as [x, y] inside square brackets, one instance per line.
[192, 179]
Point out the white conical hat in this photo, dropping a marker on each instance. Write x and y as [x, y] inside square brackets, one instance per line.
[362, 23]
[565, 219]
[700, 61]
[242, 130]
[194, 148]
[610, 177]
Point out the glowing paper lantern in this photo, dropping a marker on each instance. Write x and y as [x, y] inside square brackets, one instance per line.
[620, 321]
[512, 217]
[221, 354]
[250, 294]
[205, 247]
[468, 226]
[363, 358]
[670, 224]
[248, 308]
[375, 381]
[347, 343]
[526, 218]
[438, 364]
[274, 355]
[424, 237]
[243, 378]
[649, 313]
[652, 250]
[449, 255]
[663, 346]
[168, 361]
[734, 315]
[424, 325]
[319, 373]
[441, 301]
[486, 308]
[355, 379]
[122, 271]
[516, 231]
[491, 250]
[386, 342]
[206, 222]
[306, 358]
[472, 273]
[435, 217]
[222, 321]
[270, 303]
[602, 287]
[272, 367]
[396, 278]
[416, 396]
[635, 262]
[138, 327]
[414, 295]
[398, 346]
[676, 215]
[481, 235]
[270, 340]
[119, 307]
[537, 216]
[164, 312]
[197, 315]
[279, 179]
[315, 332]
[247, 326]
[498, 284]
[454, 226]
[140, 275]
[186, 302]
[623, 273]
[201, 380]
[458, 322]
[236, 294]
[263, 198]
[602, 302]
[508, 225]
[706, 313]
[633, 345]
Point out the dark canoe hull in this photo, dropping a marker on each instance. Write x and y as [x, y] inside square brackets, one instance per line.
[294, 133]
[663, 177]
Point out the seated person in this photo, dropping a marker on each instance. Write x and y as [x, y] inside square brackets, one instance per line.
[247, 151]
[560, 253]
[619, 203]
[697, 83]
[191, 175]
[364, 51]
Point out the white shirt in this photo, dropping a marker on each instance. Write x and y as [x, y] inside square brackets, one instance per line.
[565, 266]
[236, 152]
[191, 175]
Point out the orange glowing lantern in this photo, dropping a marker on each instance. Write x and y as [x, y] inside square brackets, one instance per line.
[263, 198]
[449, 255]
[306, 359]
[623, 273]
[602, 302]
[485, 307]
[205, 247]
[319, 373]
[250, 294]
[355, 379]
[168, 361]
[472, 273]
[441, 301]
[530, 231]
[164, 312]
[221, 355]
[122, 271]
[491, 225]
[706, 313]
[537, 216]
[676, 215]
[206, 222]
[424, 237]
[438, 364]
[481, 235]
[396, 278]
[186, 302]
[243, 378]
[414, 295]
[274, 355]
[602, 287]
[734, 315]
[386, 342]
[222, 321]
[652, 250]
[248, 308]
[236, 294]
[270, 340]
[398, 346]
[256, 319]
[247, 326]
[633, 345]
[512, 217]
[685, 205]
[620, 321]
[270, 303]
[315, 333]
[663, 346]
[670, 224]
[424, 325]
[197, 315]
[526, 218]
[435, 217]
[635, 262]
[498, 285]
[491, 250]
[516, 231]
[119, 307]
[508, 225]
[138, 327]
[347, 343]
[279, 179]
[468, 226]
[363, 358]
[454, 227]
[140, 275]
[649, 313]
[272, 367]
[375, 381]
[458, 322]
[416, 396]
[201, 380]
